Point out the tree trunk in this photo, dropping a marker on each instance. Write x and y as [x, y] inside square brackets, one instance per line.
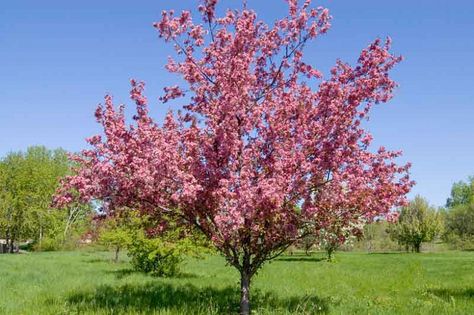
[40, 241]
[417, 247]
[7, 241]
[329, 252]
[245, 292]
[117, 251]
[12, 243]
[73, 214]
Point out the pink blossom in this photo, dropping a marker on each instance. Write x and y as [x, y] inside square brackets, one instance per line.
[171, 92]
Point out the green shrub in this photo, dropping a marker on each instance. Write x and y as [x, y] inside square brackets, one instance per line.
[29, 246]
[48, 244]
[155, 257]
[152, 250]
[460, 242]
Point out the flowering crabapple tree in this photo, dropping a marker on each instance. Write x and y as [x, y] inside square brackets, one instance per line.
[265, 148]
[334, 235]
[335, 232]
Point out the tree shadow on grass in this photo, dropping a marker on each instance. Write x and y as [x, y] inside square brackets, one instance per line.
[388, 253]
[301, 258]
[185, 299]
[123, 273]
[457, 293]
[99, 260]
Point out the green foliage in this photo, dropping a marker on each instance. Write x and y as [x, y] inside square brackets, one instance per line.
[119, 230]
[307, 243]
[459, 227]
[159, 254]
[460, 220]
[418, 222]
[28, 181]
[155, 256]
[116, 237]
[86, 283]
[462, 193]
[460, 243]
[49, 244]
[377, 238]
[459, 216]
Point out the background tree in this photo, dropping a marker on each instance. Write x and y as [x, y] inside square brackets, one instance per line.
[256, 140]
[28, 181]
[13, 212]
[418, 222]
[117, 232]
[338, 233]
[462, 193]
[307, 243]
[459, 215]
[459, 226]
[76, 220]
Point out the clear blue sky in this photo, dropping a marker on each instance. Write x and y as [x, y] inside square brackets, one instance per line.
[58, 59]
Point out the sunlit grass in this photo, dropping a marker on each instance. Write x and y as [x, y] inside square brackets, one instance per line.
[357, 283]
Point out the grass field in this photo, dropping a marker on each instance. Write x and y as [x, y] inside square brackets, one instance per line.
[357, 283]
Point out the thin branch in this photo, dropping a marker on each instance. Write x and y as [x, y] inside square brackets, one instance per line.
[190, 57]
[211, 30]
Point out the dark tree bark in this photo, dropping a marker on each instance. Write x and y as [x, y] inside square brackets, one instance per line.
[12, 243]
[330, 252]
[417, 247]
[7, 242]
[117, 251]
[245, 292]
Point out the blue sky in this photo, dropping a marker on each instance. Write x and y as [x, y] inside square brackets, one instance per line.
[59, 58]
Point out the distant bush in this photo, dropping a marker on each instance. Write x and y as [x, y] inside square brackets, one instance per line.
[48, 244]
[27, 246]
[460, 242]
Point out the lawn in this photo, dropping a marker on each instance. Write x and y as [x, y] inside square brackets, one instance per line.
[357, 283]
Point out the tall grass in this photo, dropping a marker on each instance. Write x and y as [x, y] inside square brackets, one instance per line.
[357, 283]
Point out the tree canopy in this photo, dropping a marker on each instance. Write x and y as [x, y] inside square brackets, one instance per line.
[418, 222]
[459, 216]
[28, 181]
[462, 193]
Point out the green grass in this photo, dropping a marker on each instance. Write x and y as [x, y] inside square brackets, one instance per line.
[357, 283]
